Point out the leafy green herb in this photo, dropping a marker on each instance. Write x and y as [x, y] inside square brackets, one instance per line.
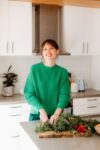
[43, 127]
[66, 122]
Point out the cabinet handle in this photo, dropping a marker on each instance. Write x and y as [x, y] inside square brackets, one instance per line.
[16, 115]
[12, 47]
[83, 48]
[87, 47]
[92, 106]
[7, 47]
[15, 136]
[92, 99]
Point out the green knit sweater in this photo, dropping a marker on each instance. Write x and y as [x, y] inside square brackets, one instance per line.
[47, 87]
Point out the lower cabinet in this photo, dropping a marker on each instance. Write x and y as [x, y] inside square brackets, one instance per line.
[10, 116]
[86, 106]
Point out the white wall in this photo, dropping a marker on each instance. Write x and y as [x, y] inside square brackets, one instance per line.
[95, 72]
[79, 66]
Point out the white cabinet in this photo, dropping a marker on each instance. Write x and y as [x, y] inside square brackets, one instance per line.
[17, 113]
[10, 116]
[20, 28]
[86, 106]
[15, 28]
[72, 30]
[95, 33]
[80, 33]
[3, 26]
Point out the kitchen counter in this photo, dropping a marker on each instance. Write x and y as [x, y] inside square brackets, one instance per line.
[16, 99]
[30, 140]
[87, 93]
[20, 98]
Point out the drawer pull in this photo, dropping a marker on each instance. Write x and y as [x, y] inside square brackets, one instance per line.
[16, 115]
[15, 136]
[92, 106]
[15, 107]
[92, 99]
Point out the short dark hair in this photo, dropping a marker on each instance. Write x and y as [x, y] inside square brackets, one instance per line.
[51, 42]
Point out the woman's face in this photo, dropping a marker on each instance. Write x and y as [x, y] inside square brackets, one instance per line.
[49, 52]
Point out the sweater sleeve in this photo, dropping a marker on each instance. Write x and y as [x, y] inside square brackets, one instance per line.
[29, 92]
[64, 96]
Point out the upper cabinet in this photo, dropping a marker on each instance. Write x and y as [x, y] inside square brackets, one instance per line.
[94, 39]
[20, 28]
[3, 26]
[78, 30]
[15, 28]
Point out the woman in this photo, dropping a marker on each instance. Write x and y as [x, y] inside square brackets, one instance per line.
[47, 86]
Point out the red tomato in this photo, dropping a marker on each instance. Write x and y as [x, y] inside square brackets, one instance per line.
[80, 128]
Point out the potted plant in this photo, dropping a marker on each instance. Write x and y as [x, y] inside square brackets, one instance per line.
[9, 82]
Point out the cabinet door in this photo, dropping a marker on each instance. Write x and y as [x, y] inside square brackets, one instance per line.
[77, 29]
[3, 26]
[17, 113]
[20, 27]
[88, 28]
[10, 116]
[95, 33]
[73, 29]
[4, 127]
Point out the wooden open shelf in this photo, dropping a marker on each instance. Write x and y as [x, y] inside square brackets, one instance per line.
[82, 3]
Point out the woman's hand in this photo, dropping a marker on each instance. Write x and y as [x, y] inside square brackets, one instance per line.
[43, 116]
[55, 116]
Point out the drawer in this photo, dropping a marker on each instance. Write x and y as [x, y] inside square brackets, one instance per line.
[18, 109]
[86, 110]
[12, 115]
[15, 109]
[86, 101]
[19, 117]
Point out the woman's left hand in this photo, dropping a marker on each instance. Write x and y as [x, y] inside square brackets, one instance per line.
[54, 118]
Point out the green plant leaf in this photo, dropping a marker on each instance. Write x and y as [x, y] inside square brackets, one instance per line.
[10, 78]
[9, 68]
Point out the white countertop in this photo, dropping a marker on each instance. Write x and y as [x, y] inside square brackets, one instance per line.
[71, 143]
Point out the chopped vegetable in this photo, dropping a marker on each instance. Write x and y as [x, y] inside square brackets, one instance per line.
[68, 122]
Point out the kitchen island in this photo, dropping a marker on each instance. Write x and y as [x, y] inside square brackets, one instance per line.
[31, 141]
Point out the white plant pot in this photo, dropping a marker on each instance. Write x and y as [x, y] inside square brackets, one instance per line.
[8, 91]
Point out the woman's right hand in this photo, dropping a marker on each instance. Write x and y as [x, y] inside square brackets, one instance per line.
[43, 116]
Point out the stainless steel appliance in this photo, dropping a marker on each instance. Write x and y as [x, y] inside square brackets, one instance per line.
[81, 85]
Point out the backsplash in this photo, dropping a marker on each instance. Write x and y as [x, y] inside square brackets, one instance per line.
[79, 66]
[95, 72]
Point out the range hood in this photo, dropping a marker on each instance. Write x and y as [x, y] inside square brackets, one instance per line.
[46, 25]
